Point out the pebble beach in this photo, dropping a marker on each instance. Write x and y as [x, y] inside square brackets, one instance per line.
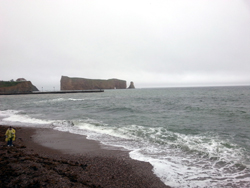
[48, 158]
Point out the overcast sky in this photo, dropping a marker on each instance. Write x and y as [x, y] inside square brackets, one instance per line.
[155, 43]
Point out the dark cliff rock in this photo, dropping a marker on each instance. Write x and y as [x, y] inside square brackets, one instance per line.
[34, 88]
[16, 87]
[68, 83]
[131, 86]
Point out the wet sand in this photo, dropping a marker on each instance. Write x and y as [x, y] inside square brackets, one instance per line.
[49, 158]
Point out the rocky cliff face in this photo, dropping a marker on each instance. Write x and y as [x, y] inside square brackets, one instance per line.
[68, 83]
[16, 87]
[131, 86]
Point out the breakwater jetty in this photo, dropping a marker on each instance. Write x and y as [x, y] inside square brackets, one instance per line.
[52, 92]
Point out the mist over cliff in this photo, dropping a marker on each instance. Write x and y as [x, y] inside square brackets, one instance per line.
[68, 83]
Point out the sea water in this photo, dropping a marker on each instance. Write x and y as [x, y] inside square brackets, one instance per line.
[193, 137]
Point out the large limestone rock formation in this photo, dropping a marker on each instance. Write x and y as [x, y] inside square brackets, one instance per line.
[131, 86]
[16, 87]
[68, 83]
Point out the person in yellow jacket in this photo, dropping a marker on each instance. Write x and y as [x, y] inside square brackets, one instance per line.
[10, 136]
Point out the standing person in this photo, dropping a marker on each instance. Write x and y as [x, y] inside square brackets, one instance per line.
[10, 136]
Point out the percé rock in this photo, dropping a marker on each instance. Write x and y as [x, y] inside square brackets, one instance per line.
[10, 87]
[68, 83]
[131, 86]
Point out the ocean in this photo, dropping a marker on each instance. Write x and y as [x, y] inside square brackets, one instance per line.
[193, 137]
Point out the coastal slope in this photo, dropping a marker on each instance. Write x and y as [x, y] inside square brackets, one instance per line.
[7, 87]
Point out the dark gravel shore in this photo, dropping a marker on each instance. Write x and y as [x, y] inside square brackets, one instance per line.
[29, 164]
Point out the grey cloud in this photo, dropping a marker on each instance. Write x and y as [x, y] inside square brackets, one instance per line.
[154, 43]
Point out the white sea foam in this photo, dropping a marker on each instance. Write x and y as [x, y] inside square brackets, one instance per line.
[50, 100]
[68, 99]
[24, 119]
[71, 99]
[13, 117]
[8, 113]
[186, 161]
[179, 160]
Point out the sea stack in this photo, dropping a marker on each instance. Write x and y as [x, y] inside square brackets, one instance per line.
[131, 86]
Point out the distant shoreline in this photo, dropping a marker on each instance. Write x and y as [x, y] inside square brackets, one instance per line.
[55, 92]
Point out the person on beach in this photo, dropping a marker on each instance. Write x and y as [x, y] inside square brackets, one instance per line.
[10, 136]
